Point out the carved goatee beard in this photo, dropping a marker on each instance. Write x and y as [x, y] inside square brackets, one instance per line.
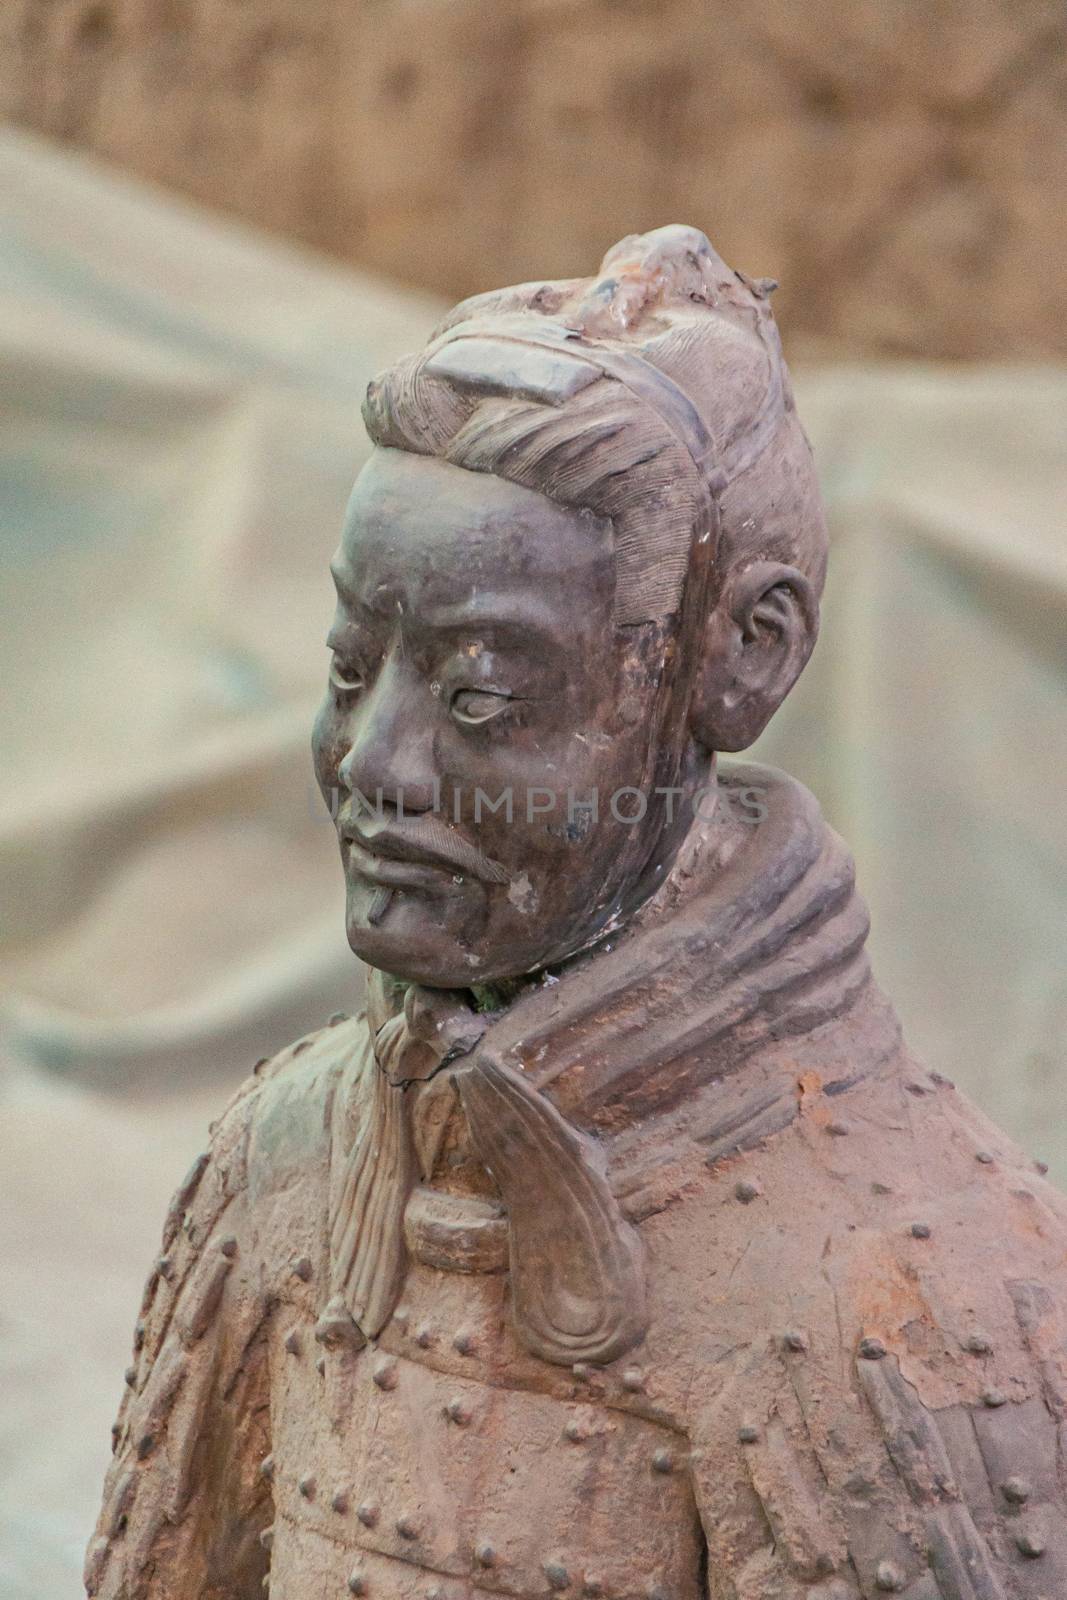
[464, 909]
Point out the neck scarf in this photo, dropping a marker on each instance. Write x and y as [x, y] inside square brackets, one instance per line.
[638, 1044]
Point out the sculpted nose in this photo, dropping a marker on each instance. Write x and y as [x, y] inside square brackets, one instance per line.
[390, 746]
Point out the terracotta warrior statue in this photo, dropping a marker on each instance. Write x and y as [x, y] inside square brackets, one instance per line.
[618, 1248]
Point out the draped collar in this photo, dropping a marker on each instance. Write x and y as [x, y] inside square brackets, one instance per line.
[685, 1031]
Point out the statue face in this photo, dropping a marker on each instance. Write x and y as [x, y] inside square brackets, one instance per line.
[475, 666]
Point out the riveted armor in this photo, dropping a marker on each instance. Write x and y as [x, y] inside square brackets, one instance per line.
[846, 1376]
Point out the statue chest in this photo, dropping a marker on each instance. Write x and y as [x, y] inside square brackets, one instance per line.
[441, 1461]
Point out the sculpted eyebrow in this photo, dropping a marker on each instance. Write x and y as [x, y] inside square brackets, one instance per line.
[360, 612]
[510, 624]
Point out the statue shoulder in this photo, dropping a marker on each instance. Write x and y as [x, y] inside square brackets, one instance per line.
[880, 1407]
[283, 1101]
[206, 1241]
[889, 1211]
[231, 1243]
[301, 1069]
[290, 1103]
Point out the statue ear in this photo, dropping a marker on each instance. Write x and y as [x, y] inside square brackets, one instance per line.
[756, 644]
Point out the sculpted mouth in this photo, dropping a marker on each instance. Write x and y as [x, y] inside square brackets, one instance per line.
[425, 853]
[389, 873]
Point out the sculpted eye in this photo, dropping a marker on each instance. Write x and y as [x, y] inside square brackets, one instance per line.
[345, 676]
[472, 706]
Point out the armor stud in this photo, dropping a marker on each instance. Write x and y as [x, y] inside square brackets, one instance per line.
[979, 1344]
[1016, 1490]
[633, 1379]
[228, 1247]
[748, 1433]
[592, 1588]
[131, 1376]
[888, 1577]
[872, 1349]
[458, 1411]
[994, 1398]
[339, 1501]
[385, 1373]
[266, 1538]
[747, 1190]
[306, 1485]
[368, 1513]
[984, 1157]
[485, 1555]
[407, 1527]
[663, 1461]
[292, 1341]
[266, 1468]
[920, 1230]
[97, 1554]
[123, 1494]
[463, 1343]
[337, 1328]
[838, 1130]
[302, 1268]
[1029, 1542]
[424, 1336]
[557, 1576]
[795, 1339]
[357, 1583]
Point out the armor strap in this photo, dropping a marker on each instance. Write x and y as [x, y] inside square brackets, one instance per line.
[368, 1259]
[577, 1266]
[576, 1263]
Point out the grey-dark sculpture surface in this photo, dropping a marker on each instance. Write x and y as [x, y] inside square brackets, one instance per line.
[618, 1248]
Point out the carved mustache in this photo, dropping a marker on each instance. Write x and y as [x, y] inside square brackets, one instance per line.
[425, 841]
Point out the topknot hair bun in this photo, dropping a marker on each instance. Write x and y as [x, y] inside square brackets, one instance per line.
[654, 393]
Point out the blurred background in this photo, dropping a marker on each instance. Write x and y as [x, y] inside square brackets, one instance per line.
[217, 220]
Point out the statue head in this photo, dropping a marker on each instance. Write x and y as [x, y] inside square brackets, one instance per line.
[585, 555]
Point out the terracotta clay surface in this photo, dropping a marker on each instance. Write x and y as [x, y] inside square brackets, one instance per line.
[619, 1248]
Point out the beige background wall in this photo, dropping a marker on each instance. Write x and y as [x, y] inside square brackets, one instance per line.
[899, 164]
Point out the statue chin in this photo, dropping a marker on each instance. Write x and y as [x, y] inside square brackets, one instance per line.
[450, 932]
[441, 941]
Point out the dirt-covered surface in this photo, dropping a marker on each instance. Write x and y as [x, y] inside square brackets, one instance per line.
[898, 167]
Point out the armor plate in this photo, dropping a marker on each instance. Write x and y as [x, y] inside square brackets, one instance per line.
[421, 1473]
